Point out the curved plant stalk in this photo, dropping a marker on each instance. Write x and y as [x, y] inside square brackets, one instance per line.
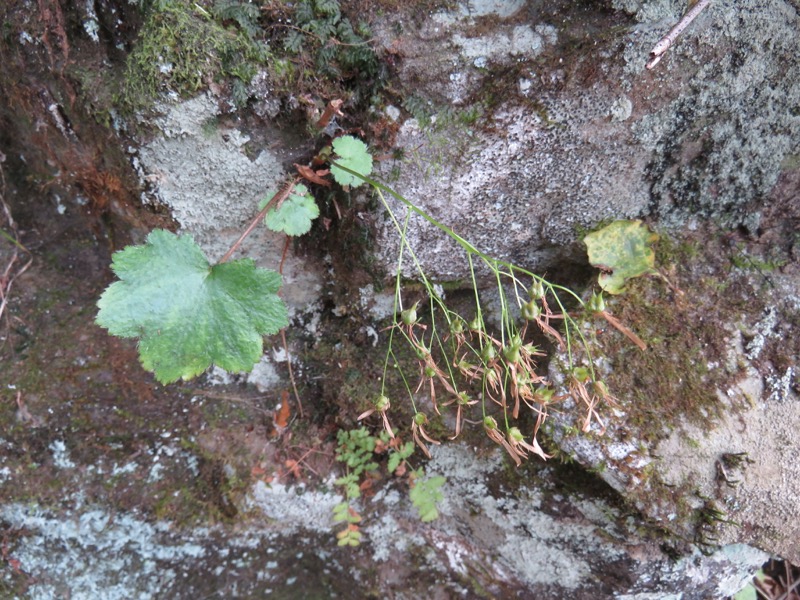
[502, 365]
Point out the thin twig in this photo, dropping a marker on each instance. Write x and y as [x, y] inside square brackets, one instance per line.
[276, 202]
[333, 109]
[283, 254]
[664, 43]
[10, 274]
[791, 589]
[291, 374]
[286, 345]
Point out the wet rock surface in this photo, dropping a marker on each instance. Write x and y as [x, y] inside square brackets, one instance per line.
[535, 146]
[520, 124]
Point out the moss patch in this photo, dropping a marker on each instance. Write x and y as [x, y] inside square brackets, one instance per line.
[676, 379]
[182, 49]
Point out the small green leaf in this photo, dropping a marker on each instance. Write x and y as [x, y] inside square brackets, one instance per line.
[353, 154]
[186, 313]
[622, 251]
[394, 462]
[425, 495]
[295, 215]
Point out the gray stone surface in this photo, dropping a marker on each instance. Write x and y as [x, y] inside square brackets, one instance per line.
[200, 168]
[534, 541]
[728, 473]
[574, 138]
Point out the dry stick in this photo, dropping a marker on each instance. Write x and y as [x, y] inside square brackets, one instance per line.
[276, 202]
[657, 53]
[7, 280]
[790, 590]
[332, 109]
[614, 322]
[291, 373]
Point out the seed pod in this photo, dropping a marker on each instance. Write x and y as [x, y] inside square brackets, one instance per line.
[580, 374]
[596, 303]
[537, 289]
[409, 315]
[515, 435]
[543, 394]
[511, 352]
[531, 311]
[382, 403]
[456, 326]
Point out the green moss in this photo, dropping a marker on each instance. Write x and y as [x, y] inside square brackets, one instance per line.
[678, 376]
[181, 49]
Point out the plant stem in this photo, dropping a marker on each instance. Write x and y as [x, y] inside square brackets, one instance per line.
[291, 374]
[275, 202]
[461, 241]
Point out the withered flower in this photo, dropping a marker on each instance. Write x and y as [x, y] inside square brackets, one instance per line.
[381, 405]
[418, 433]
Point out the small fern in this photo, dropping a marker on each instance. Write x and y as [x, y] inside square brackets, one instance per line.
[425, 495]
[246, 15]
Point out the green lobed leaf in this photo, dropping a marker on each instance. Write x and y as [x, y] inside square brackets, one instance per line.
[394, 461]
[622, 250]
[425, 495]
[353, 154]
[295, 215]
[186, 313]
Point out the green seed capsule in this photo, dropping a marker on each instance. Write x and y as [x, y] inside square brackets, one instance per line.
[537, 289]
[511, 352]
[382, 403]
[489, 423]
[580, 373]
[475, 324]
[457, 326]
[596, 303]
[420, 419]
[409, 315]
[531, 311]
[515, 434]
[488, 354]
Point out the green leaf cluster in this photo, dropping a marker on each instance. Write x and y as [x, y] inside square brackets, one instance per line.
[340, 51]
[186, 313]
[245, 14]
[356, 449]
[353, 154]
[425, 495]
[295, 215]
[396, 457]
[622, 250]
[181, 47]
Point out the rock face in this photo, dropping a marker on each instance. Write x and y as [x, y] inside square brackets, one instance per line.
[519, 124]
[576, 131]
[524, 148]
[535, 541]
[712, 461]
[211, 176]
